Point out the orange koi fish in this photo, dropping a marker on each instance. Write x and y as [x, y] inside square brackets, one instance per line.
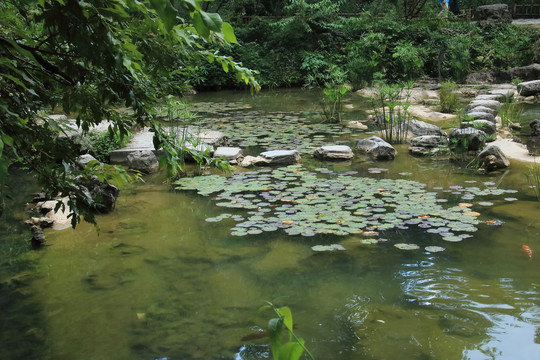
[527, 250]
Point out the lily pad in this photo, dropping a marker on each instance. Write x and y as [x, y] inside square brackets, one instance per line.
[434, 248]
[403, 246]
[333, 247]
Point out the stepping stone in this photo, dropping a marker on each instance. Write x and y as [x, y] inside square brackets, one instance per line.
[228, 153]
[334, 152]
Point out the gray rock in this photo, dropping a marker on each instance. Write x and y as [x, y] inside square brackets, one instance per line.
[416, 128]
[533, 143]
[210, 137]
[496, 13]
[84, 159]
[101, 196]
[466, 140]
[484, 109]
[274, 157]
[486, 126]
[280, 157]
[143, 160]
[492, 104]
[477, 115]
[428, 145]
[483, 77]
[492, 159]
[489, 97]
[229, 153]
[334, 152]
[504, 95]
[377, 148]
[529, 88]
[526, 73]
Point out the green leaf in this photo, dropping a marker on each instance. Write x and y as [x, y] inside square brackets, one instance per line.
[212, 21]
[8, 140]
[275, 326]
[285, 311]
[228, 33]
[166, 12]
[291, 350]
[199, 25]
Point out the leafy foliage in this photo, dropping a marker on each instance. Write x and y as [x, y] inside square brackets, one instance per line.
[294, 347]
[448, 97]
[89, 57]
[391, 107]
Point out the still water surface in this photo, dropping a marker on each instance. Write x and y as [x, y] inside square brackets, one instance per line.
[158, 281]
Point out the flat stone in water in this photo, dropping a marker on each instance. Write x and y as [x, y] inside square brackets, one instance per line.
[229, 153]
[334, 152]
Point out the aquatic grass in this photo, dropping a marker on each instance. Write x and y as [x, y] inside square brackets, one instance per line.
[391, 108]
[307, 203]
[533, 177]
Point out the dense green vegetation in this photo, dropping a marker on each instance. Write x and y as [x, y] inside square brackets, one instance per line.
[88, 58]
[308, 43]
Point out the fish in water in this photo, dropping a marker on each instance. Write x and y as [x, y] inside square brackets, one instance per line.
[527, 250]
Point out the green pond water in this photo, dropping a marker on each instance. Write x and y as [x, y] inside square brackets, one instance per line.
[158, 281]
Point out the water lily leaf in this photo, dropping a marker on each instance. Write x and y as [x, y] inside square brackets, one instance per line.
[332, 247]
[452, 238]
[434, 249]
[403, 246]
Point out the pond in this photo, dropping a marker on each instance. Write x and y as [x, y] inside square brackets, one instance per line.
[162, 278]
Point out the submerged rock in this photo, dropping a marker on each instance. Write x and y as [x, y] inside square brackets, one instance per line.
[377, 148]
[334, 152]
[492, 159]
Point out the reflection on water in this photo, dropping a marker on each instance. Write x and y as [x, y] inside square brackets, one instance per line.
[158, 281]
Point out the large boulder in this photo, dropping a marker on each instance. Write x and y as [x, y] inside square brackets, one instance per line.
[533, 143]
[529, 88]
[333, 152]
[376, 148]
[428, 145]
[497, 13]
[466, 140]
[143, 160]
[526, 73]
[492, 159]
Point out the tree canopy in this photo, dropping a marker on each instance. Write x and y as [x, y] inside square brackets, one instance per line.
[87, 58]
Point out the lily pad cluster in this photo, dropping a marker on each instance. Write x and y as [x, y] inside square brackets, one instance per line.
[273, 131]
[304, 202]
[218, 107]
